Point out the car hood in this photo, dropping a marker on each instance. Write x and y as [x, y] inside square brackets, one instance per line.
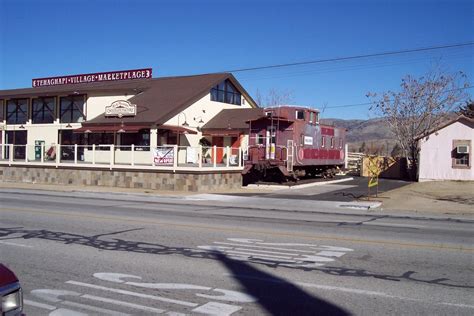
[6, 276]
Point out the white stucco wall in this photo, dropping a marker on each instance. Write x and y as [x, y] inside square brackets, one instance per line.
[95, 104]
[205, 109]
[435, 154]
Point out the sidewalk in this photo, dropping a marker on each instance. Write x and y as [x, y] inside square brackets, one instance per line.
[451, 200]
[437, 197]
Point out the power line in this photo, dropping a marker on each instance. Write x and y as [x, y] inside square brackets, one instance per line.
[318, 61]
[370, 103]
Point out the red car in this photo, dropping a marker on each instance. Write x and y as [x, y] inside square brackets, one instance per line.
[10, 293]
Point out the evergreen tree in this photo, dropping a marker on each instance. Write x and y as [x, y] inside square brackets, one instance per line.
[468, 109]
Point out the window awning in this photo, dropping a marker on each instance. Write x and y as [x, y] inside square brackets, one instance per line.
[177, 128]
[110, 129]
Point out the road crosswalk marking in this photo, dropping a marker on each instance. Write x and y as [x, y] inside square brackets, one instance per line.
[66, 307]
[294, 255]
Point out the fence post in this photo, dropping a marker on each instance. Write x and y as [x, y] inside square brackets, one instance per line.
[42, 153]
[200, 157]
[133, 155]
[214, 158]
[10, 156]
[346, 156]
[227, 153]
[240, 156]
[58, 154]
[112, 156]
[75, 154]
[93, 154]
[175, 157]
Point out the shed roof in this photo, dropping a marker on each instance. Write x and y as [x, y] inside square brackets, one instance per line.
[461, 118]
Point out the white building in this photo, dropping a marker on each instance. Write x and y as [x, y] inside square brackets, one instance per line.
[446, 153]
[168, 111]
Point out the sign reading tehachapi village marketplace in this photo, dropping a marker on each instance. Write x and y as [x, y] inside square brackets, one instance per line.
[94, 77]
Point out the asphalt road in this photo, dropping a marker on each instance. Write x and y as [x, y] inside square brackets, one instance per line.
[99, 254]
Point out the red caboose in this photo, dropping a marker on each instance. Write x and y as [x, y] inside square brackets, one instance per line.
[289, 141]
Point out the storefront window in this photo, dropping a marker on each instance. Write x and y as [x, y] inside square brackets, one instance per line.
[166, 137]
[17, 111]
[19, 139]
[43, 110]
[141, 140]
[102, 141]
[227, 93]
[67, 140]
[72, 109]
[2, 110]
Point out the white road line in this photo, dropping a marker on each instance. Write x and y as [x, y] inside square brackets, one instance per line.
[254, 254]
[348, 290]
[124, 292]
[14, 244]
[330, 253]
[66, 312]
[265, 247]
[214, 308]
[457, 305]
[266, 251]
[93, 308]
[136, 306]
[169, 286]
[39, 305]
[393, 225]
[342, 289]
[247, 258]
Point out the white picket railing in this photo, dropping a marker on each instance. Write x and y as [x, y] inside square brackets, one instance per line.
[124, 157]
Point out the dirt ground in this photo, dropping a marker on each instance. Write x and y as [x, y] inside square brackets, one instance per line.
[441, 197]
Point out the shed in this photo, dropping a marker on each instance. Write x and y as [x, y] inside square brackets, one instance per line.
[446, 153]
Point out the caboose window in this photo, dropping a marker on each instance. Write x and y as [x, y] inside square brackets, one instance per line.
[340, 142]
[323, 141]
[299, 115]
[332, 142]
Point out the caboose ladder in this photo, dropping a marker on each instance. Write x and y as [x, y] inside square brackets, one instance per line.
[289, 155]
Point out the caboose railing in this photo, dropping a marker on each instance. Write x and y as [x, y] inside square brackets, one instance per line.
[257, 153]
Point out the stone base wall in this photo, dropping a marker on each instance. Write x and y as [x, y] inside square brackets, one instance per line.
[178, 181]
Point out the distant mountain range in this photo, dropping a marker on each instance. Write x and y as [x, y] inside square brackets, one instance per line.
[374, 132]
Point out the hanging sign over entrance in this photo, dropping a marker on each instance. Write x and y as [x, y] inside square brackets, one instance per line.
[93, 77]
[121, 108]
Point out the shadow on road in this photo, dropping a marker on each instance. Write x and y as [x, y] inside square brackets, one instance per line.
[122, 245]
[277, 296]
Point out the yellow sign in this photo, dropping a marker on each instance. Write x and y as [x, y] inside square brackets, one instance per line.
[374, 171]
[373, 181]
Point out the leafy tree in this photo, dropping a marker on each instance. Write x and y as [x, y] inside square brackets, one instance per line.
[421, 105]
[362, 148]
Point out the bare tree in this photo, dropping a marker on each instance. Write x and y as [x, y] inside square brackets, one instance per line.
[274, 97]
[420, 106]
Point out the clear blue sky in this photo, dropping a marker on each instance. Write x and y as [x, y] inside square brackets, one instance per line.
[49, 38]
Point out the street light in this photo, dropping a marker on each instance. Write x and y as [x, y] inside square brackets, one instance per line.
[185, 124]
